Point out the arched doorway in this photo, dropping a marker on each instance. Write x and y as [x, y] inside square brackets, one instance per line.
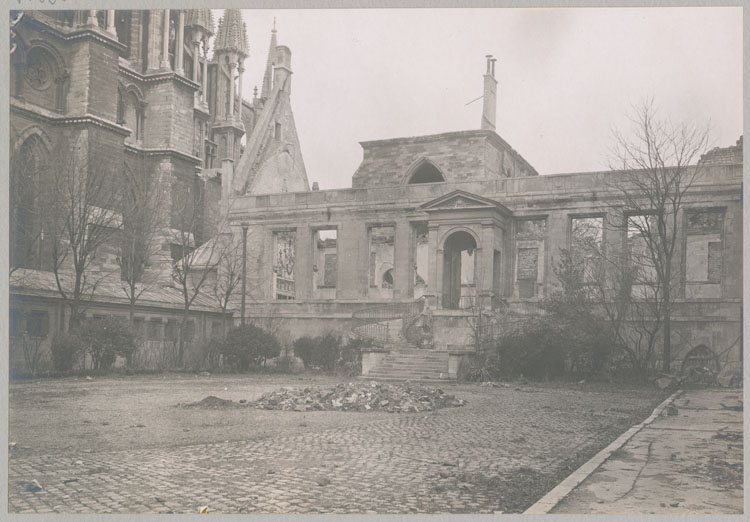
[458, 268]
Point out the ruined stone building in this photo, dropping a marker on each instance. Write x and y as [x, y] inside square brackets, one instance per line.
[436, 232]
[150, 94]
[439, 230]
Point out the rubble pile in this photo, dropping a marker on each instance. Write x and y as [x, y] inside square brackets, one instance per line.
[211, 402]
[393, 398]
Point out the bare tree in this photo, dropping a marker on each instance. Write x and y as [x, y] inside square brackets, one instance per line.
[194, 264]
[84, 216]
[228, 272]
[143, 227]
[659, 163]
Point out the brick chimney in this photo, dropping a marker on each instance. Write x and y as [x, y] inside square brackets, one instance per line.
[489, 107]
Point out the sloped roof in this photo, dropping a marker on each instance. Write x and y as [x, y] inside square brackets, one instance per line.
[232, 34]
[200, 18]
[109, 290]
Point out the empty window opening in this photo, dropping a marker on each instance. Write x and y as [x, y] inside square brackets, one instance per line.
[420, 257]
[381, 262]
[586, 246]
[387, 279]
[426, 173]
[325, 267]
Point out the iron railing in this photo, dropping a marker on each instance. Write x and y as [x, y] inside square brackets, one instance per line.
[373, 322]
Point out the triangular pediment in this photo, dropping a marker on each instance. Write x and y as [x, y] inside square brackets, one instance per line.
[460, 199]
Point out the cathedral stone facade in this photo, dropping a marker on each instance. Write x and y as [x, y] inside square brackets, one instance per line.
[153, 93]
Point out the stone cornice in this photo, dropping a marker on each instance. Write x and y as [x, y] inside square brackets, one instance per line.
[162, 152]
[158, 77]
[75, 33]
[233, 124]
[46, 115]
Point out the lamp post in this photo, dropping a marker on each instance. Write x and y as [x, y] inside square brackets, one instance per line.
[244, 270]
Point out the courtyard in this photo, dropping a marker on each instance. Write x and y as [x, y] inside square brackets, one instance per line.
[120, 444]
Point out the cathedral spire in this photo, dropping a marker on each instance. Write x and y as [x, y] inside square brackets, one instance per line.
[232, 34]
[265, 91]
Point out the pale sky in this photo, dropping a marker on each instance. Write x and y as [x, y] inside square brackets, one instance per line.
[566, 77]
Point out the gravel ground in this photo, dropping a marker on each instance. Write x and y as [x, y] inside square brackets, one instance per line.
[500, 452]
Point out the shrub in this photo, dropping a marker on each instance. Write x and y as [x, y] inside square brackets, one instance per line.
[105, 339]
[349, 362]
[548, 347]
[210, 352]
[318, 352]
[534, 350]
[65, 347]
[480, 367]
[247, 346]
[286, 364]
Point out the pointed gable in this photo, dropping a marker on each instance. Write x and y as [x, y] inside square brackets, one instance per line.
[272, 161]
[460, 199]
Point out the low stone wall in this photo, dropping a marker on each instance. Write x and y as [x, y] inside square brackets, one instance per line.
[371, 358]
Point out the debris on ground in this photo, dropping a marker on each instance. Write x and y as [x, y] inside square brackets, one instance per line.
[211, 402]
[735, 407]
[667, 381]
[729, 377]
[359, 396]
[671, 409]
[33, 486]
[730, 436]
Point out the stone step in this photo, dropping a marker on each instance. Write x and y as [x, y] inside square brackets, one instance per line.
[408, 377]
[407, 363]
[413, 363]
[421, 364]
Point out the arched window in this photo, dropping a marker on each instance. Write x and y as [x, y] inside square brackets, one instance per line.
[132, 116]
[387, 279]
[27, 167]
[426, 172]
[120, 106]
[42, 78]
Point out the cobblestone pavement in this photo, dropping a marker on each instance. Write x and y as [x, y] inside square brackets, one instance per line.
[389, 466]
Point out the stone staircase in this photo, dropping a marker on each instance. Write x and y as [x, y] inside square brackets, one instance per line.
[406, 363]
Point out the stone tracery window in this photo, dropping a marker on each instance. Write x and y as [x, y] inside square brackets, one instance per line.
[40, 69]
[285, 243]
